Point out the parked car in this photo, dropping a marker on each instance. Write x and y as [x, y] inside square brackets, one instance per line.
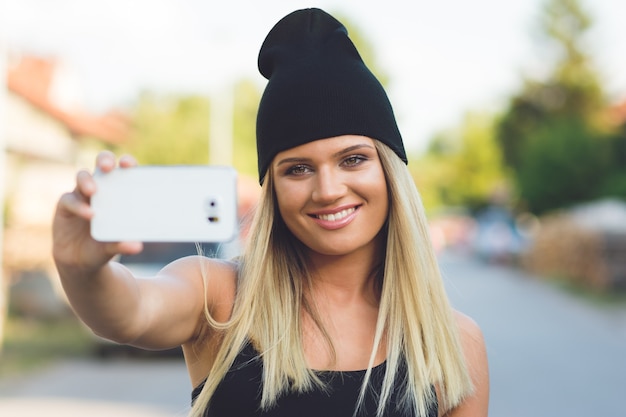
[497, 236]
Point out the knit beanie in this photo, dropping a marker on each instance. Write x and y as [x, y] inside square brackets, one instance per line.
[318, 87]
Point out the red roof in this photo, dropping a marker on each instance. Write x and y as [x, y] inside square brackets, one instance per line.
[618, 113]
[31, 78]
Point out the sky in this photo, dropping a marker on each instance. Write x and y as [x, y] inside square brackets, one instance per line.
[443, 58]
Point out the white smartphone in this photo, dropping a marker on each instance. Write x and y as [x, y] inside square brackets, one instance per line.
[176, 203]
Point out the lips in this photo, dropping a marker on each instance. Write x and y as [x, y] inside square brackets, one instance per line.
[336, 216]
[335, 219]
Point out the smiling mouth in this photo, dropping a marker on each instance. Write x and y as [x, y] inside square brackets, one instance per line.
[336, 216]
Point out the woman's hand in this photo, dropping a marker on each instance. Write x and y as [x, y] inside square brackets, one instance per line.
[73, 246]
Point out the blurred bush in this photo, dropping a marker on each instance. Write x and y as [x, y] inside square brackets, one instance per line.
[30, 344]
[585, 246]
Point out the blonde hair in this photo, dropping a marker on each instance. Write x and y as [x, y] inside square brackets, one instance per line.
[415, 319]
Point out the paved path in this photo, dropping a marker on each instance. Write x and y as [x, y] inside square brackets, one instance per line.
[551, 354]
[120, 387]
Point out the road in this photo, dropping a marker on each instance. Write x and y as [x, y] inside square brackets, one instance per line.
[121, 387]
[551, 354]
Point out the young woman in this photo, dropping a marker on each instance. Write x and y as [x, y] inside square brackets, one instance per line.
[336, 306]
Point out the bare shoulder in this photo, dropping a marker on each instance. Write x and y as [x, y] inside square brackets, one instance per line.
[467, 326]
[215, 268]
[215, 278]
[475, 352]
[211, 284]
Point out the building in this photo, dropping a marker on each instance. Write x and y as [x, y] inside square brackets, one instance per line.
[48, 137]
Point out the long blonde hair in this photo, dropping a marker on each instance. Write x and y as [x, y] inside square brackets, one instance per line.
[415, 318]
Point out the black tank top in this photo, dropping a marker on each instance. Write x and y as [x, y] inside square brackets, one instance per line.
[239, 394]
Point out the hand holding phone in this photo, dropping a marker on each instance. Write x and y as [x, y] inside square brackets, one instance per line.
[165, 204]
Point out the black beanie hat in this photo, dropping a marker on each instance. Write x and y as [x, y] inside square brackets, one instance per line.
[318, 88]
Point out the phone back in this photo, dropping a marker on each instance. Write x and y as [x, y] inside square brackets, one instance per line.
[165, 204]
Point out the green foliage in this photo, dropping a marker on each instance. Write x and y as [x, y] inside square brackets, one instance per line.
[615, 185]
[564, 24]
[169, 130]
[615, 182]
[551, 126]
[562, 164]
[537, 104]
[30, 344]
[463, 167]
[176, 129]
[247, 96]
[572, 89]
[429, 172]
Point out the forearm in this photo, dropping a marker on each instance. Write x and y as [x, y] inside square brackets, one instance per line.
[106, 299]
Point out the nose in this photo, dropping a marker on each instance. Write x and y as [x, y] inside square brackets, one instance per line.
[329, 186]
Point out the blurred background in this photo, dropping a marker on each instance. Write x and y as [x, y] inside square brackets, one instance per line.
[513, 114]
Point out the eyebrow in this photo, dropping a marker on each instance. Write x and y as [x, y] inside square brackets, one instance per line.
[336, 154]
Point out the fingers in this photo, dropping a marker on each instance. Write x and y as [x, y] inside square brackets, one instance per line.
[127, 248]
[85, 184]
[122, 248]
[75, 204]
[105, 161]
[127, 161]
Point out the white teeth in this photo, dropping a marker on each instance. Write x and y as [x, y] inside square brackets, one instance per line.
[336, 216]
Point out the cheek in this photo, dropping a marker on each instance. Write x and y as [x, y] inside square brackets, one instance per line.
[374, 184]
[379, 194]
[383, 201]
[287, 199]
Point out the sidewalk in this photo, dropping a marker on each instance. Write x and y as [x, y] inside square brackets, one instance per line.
[117, 387]
[72, 407]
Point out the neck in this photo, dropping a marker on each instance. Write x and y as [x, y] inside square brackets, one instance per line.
[345, 278]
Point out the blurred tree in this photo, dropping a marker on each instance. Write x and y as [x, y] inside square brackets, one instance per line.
[575, 87]
[430, 171]
[572, 93]
[175, 129]
[462, 167]
[561, 165]
[247, 96]
[169, 130]
[615, 183]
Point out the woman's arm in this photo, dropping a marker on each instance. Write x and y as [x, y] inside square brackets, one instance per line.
[158, 312]
[152, 313]
[476, 405]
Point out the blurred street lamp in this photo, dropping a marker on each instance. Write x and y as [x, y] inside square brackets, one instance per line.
[221, 126]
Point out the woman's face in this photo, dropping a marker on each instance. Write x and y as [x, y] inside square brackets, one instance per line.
[332, 193]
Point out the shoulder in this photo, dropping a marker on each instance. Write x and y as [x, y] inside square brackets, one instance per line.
[467, 327]
[473, 344]
[475, 353]
[212, 286]
[195, 264]
[215, 279]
